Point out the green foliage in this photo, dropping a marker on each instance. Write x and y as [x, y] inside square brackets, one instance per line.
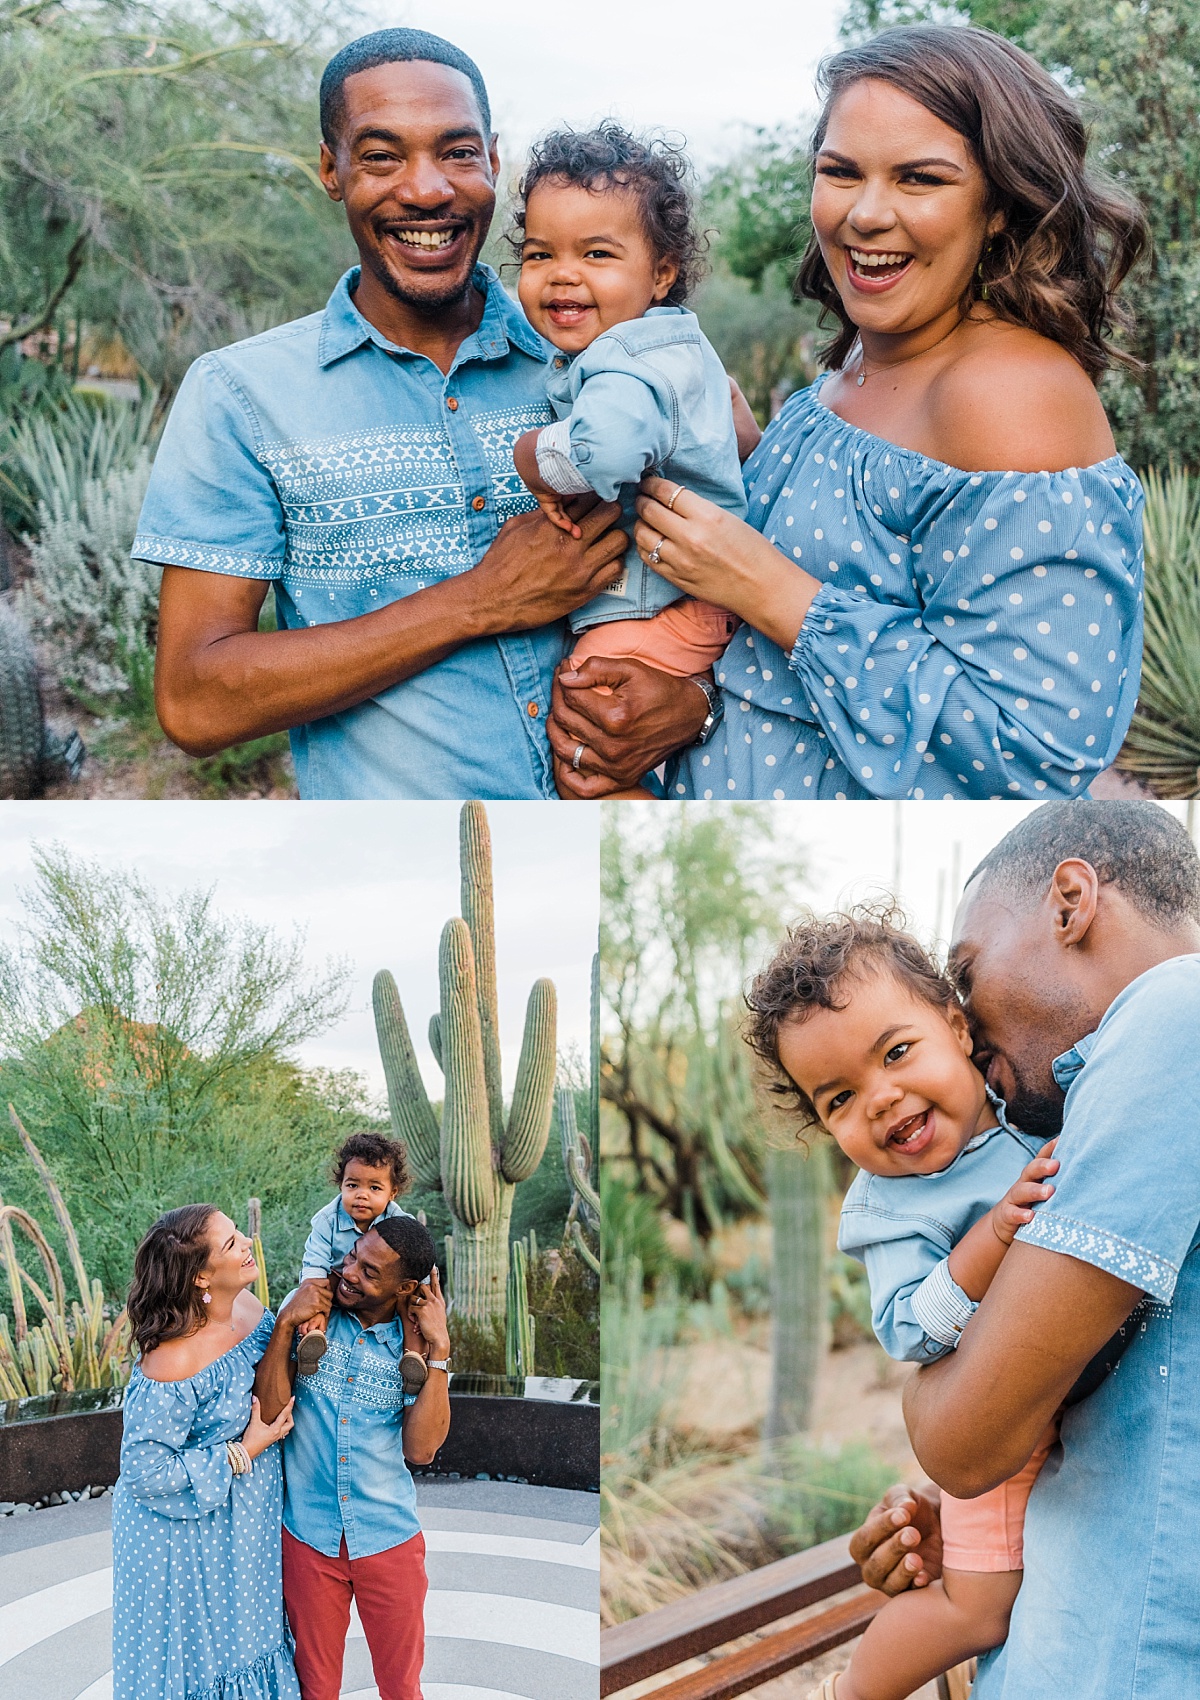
[632, 1227]
[759, 202]
[1163, 743]
[817, 1494]
[764, 337]
[54, 448]
[849, 1301]
[564, 1298]
[157, 174]
[145, 1044]
[689, 896]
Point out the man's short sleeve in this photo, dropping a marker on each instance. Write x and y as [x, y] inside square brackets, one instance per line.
[211, 503]
[1127, 1196]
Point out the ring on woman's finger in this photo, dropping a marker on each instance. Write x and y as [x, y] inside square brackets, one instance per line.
[655, 554]
[577, 757]
[678, 491]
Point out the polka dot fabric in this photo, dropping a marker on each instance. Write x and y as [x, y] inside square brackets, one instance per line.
[197, 1583]
[975, 634]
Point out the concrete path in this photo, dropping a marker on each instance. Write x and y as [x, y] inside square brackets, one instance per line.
[513, 1611]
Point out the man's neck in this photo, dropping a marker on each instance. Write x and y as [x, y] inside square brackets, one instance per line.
[368, 1317]
[437, 332]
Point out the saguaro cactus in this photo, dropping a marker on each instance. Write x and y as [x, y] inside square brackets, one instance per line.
[475, 1155]
[578, 1147]
[797, 1183]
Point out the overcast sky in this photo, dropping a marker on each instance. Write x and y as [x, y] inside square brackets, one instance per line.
[372, 882]
[703, 68]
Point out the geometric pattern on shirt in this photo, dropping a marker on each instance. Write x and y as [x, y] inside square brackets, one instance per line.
[377, 1383]
[1120, 1257]
[392, 498]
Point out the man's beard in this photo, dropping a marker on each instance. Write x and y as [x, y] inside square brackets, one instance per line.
[1039, 1114]
[431, 301]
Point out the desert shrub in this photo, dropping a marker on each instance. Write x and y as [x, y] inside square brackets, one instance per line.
[812, 1494]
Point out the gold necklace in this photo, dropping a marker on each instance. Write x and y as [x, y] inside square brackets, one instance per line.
[862, 358]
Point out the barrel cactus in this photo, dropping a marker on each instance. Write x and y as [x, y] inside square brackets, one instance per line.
[22, 734]
[475, 1154]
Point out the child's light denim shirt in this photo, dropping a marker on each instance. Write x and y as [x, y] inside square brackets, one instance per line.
[903, 1228]
[649, 395]
[1110, 1605]
[334, 1231]
[350, 473]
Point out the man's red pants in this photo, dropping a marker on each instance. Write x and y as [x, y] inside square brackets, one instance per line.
[389, 1589]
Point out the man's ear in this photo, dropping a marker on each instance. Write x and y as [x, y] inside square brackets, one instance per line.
[1073, 896]
[328, 172]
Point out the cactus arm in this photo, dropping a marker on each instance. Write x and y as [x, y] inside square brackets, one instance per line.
[533, 1094]
[12, 1213]
[413, 1118]
[435, 1038]
[475, 856]
[585, 1251]
[466, 1153]
[577, 1159]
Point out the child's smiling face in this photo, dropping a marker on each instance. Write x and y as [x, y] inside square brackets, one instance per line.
[890, 1076]
[367, 1190]
[586, 263]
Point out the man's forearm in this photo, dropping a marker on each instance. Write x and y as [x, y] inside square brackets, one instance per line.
[427, 1423]
[975, 1417]
[275, 1374]
[239, 684]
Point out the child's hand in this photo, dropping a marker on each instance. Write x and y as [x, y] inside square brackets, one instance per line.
[556, 513]
[1019, 1202]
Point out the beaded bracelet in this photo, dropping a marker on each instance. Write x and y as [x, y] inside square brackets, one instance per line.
[240, 1461]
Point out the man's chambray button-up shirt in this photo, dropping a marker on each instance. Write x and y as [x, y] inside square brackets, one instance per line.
[1109, 1607]
[344, 1468]
[351, 473]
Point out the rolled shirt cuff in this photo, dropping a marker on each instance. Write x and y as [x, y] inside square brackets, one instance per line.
[555, 466]
[941, 1307]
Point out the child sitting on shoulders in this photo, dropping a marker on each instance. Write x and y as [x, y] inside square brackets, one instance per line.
[873, 1047]
[609, 251]
[371, 1172]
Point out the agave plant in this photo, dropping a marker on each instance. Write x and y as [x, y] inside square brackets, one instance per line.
[1163, 743]
[69, 1349]
[48, 459]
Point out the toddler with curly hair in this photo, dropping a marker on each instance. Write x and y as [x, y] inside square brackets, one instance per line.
[868, 1040]
[609, 251]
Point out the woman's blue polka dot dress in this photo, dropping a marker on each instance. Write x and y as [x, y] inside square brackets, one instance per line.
[197, 1582]
[975, 634]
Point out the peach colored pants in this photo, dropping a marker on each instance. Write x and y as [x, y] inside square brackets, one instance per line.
[988, 1533]
[686, 638]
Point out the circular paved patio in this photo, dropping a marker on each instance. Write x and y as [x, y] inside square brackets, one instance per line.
[513, 1611]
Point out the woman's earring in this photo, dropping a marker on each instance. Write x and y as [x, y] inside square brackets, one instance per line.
[206, 1298]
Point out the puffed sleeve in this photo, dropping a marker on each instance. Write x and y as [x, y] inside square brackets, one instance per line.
[621, 424]
[1015, 672]
[211, 504]
[158, 1465]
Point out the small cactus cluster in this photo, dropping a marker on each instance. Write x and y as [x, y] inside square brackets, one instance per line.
[579, 1147]
[519, 1324]
[475, 1154]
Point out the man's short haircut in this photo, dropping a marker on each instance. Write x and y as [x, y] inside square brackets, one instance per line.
[411, 1241]
[1138, 847]
[392, 47]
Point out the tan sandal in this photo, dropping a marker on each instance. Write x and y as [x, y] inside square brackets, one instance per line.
[826, 1690]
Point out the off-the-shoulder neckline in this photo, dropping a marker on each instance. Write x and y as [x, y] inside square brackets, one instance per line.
[1098, 466]
[182, 1380]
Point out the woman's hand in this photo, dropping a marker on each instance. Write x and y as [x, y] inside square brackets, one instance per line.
[712, 555]
[899, 1545]
[260, 1435]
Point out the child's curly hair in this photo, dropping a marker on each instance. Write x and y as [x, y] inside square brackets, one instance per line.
[810, 970]
[655, 171]
[377, 1150]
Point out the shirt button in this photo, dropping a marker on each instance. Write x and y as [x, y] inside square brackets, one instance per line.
[533, 711]
[345, 1419]
[452, 403]
[479, 503]
[349, 1378]
[345, 1497]
[341, 1460]
[559, 364]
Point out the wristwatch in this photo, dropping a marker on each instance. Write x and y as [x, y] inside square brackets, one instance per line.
[716, 708]
[438, 1363]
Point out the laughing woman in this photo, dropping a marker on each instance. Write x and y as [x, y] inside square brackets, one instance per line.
[941, 577]
[197, 1512]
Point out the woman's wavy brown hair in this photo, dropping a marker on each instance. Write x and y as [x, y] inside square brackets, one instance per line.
[1070, 237]
[811, 969]
[164, 1301]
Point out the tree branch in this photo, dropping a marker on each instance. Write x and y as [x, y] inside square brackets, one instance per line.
[38, 321]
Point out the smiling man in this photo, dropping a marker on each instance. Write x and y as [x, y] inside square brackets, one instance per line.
[350, 1528]
[360, 461]
[1077, 946]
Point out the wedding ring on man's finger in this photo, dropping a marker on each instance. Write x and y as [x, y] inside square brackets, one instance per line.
[674, 498]
[577, 757]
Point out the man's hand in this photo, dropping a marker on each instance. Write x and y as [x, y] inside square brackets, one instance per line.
[427, 1311]
[647, 717]
[219, 680]
[899, 1545]
[311, 1300]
